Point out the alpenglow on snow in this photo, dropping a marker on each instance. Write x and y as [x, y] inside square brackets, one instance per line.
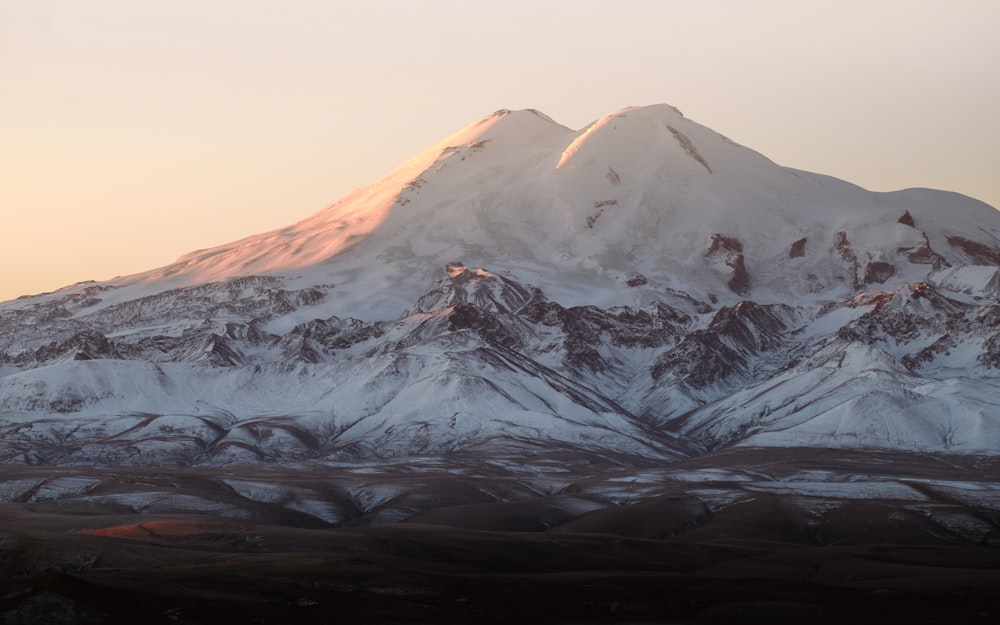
[641, 288]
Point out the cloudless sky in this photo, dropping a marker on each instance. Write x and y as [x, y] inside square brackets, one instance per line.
[132, 132]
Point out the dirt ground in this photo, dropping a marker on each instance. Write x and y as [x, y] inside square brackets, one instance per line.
[440, 551]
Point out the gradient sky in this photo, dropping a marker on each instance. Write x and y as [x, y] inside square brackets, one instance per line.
[132, 132]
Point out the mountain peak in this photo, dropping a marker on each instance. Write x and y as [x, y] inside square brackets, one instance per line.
[517, 113]
[640, 191]
[600, 287]
[661, 110]
[635, 132]
[516, 126]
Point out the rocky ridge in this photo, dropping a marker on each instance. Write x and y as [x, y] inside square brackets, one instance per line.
[643, 289]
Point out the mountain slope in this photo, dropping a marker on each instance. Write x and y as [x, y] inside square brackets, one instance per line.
[643, 289]
[640, 192]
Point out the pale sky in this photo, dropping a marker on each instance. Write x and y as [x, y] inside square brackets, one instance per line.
[132, 132]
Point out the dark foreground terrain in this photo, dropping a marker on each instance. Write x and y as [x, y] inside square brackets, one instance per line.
[754, 536]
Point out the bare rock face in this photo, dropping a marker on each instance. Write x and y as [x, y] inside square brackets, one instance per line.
[737, 337]
[798, 249]
[843, 246]
[923, 254]
[740, 282]
[907, 219]
[979, 253]
[466, 316]
[721, 242]
[940, 347]
[731, 251]
[878, 272]
[926, 256]
[637, 280]
[83, 345]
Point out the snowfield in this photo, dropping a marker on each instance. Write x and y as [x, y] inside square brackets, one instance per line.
[642, 289]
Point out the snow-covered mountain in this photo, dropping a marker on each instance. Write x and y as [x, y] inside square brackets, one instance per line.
[642, 289]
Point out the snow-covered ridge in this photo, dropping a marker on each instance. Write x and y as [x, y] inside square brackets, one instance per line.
[482, 362]
[641, 288]
[641, 191]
